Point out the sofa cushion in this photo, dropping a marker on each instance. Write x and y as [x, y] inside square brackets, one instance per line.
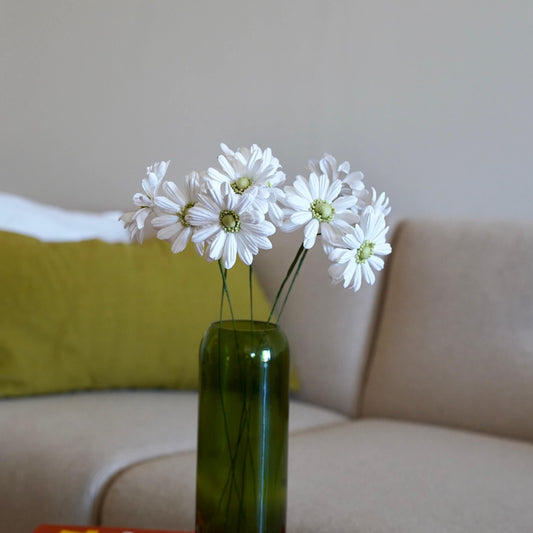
[58, 453]
[95, 315]
[374, 476]
[55, 224]
[455, 343]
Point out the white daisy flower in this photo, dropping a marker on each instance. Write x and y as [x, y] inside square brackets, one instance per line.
[352, 182]
[229, 225]
[249, 169]
[135, 221]
[317, 204]
[358, 256]
[379, 203]
[135, 228]
[173, 207]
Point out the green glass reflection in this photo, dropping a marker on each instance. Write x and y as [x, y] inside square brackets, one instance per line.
[241, 481]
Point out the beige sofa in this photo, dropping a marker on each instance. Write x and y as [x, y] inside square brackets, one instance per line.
[415, 412]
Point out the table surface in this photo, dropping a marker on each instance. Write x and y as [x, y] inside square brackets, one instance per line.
[97, 529]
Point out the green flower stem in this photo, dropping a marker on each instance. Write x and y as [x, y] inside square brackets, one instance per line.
[225, 285]
[292, 283]
[242, 487]
[233, 489]
[222, 292]
[232, 481]
[287, 276]
[250, 275]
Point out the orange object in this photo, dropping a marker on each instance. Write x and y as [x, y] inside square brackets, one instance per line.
[98, 529]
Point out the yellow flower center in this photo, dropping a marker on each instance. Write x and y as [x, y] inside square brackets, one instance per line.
[322, 211]
[365, 251]
[241, 184]
[183, 213]
[230, 221]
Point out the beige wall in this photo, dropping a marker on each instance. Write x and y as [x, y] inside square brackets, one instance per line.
[431, 99]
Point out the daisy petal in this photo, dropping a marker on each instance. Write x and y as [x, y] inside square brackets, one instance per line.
[349, 217]
[199, 247]
[344, 202]
[366, 220]
[335, 254]
[166, 204]
[359, 234]
[173, 192]
[199, 216]
[324, 186]
[349, 271]
[227, 151]
[229, 255]
[255, 156]
[369, 276]
[314, 186]
[287, 226]
[333, 190]
[376, 262]
[276, 214]
[310, 233]
[203, 233]
[383, 249]
[344, 167]
[164, 220]
[245, 254]
[249, 241]
[301, 217]
[379, 233]
[352, 241]
[216, 175]
[181, 240]
[330, 235]
[312, 228]
[335, 272]
[217, 245]
[347, 255]
[227, 168]
[356, 284]
[301, 187]
[169, 231]
[263, 243]
[297, 202]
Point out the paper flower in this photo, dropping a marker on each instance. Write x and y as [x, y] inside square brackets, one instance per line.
[134, 221]
[352, 182]
[173, 206]
[379, 203]
[317, 204]
[231, 212]
[229, 225]
[252, 169]
[358, 256]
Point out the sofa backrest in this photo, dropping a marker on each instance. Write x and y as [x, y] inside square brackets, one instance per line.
[329, 328]
[454, 344]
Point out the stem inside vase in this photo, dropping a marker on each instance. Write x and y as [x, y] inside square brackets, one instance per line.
[243, 428]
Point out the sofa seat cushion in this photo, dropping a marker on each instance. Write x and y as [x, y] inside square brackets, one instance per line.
[373, 476]
[58, 453]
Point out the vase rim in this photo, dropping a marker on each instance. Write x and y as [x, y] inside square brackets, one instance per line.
[245, 325]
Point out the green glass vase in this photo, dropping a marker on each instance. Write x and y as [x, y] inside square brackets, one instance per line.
[241, 484]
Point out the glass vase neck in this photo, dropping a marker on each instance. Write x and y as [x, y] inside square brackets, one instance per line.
[245, 325]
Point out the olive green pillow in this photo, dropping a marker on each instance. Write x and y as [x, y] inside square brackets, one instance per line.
[95, 315]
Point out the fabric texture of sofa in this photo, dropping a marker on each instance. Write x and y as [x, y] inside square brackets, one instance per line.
[414, 414]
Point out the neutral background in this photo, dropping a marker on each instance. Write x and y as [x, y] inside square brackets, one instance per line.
[432, 100]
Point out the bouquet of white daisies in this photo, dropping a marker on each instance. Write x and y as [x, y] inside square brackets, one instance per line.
[232, 210]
